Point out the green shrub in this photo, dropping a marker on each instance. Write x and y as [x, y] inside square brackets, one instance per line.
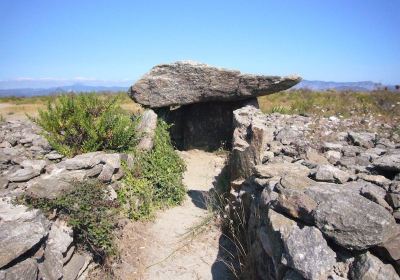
[2, 119]
[155, 181]
[75, 124]
[91, 215]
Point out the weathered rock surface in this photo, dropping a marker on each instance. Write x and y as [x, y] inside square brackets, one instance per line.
[354, 222]
[146, 129]
[26, 270]
[20, 230]
[390, 162]
[184, 83]
[367, 266]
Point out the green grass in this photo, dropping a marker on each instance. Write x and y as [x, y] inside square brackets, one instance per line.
[381, 104]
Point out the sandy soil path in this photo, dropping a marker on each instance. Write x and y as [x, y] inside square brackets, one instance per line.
[168, 251]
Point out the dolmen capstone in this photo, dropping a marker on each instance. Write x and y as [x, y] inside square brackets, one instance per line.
[199, 100]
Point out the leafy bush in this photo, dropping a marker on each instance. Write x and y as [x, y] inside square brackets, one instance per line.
[155, 181]
[76, 124]
[88, 211]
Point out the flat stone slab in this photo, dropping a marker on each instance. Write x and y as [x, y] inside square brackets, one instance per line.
[183, 83]
[20, 230]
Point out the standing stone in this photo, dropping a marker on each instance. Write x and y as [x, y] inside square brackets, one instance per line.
[147, 129]
[183, 83]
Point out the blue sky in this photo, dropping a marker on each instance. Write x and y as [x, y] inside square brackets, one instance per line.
[119, 41]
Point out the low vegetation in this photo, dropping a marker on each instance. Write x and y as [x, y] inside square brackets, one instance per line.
[90, 213]
[155, 181]
[75, 124]
[380, 104]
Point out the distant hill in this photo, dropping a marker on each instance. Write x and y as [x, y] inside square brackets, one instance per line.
[340, 86]
[26, 92]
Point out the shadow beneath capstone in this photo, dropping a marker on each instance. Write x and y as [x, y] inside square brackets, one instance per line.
[199, 198]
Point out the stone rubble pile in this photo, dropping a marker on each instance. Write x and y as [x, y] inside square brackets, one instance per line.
[32, 246]
[316, 209]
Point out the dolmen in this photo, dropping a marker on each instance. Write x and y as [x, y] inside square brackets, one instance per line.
[198, 100]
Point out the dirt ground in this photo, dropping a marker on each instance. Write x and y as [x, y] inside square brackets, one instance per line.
[169, 247]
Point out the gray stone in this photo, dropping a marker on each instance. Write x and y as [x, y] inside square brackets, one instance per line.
[376, 179]
[54, 156]
[363, 139]
[327, 146]
[146, 129]
[76, 266]
[353, 221]
[49, 188]
[280, 170]
[376, 197]
[293, 181]
[84, 161]
[23, 175]
[249, 142]
[333, 156]
[38, 165]
[20, 230]
[313, 156]
[26, 270]
[288, 135]
[388, 162]
[351, 151]
[183, 83]
[113, 160]
[295, 204]
[308, 253]
[329, 173]
[393, 199]
[367, 266]
[106, 174]
[94, 171]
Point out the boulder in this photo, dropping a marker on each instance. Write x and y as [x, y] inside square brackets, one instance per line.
[367, 266]
[353, 221]
[183, 83]
[146, 129]
[280, 170]
[308, 253]
[20, 230]
[302, 248]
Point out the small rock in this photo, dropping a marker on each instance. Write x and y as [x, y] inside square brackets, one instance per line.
[327, 146]
[367, 266]
[393, 199]
[376, 179]
[280, 170]
[76, 266]
[313, 156]
[38, 165]
[363, 139]
[23, 175]
[54, 156]
[49, 188]
[296, 204]
[84, 161]
[94, 171]
[106, 174]
[329, 173]
[5, 144]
